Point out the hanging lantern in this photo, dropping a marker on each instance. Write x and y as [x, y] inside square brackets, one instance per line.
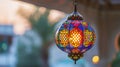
[75, 36]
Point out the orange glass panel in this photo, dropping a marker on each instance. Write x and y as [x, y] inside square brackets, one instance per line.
[64, 37]
[88, 38]
[75, 37]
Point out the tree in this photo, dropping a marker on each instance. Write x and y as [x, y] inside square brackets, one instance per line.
[46, 30]
[28, 48]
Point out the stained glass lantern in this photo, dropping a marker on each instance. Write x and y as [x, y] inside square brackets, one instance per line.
[75, 36]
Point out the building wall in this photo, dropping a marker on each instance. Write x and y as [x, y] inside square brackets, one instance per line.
[107, 26]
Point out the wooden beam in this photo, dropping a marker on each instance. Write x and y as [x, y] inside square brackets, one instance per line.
[84, 2]
[107, 4]
[52, 4]
[88, 3]
[114, 7]
[96, 4]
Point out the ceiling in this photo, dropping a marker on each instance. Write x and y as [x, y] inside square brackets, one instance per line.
[65, 4]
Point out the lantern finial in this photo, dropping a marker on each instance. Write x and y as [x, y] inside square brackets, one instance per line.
[75, 61]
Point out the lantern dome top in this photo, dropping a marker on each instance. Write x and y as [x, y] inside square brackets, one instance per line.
[75, 16]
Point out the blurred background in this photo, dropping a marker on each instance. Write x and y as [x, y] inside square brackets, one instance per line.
[27, 29]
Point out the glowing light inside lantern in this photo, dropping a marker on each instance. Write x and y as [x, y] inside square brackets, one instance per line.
[75, 37]
[64, 37]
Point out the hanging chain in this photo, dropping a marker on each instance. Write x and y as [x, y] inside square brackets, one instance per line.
[75, 5]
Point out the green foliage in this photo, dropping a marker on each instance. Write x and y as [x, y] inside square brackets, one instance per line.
[28, 51]
[42, 26]
[3, 47]
[45, 31]
[116, 62]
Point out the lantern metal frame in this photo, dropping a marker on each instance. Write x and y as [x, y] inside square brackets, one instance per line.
[75, 36]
